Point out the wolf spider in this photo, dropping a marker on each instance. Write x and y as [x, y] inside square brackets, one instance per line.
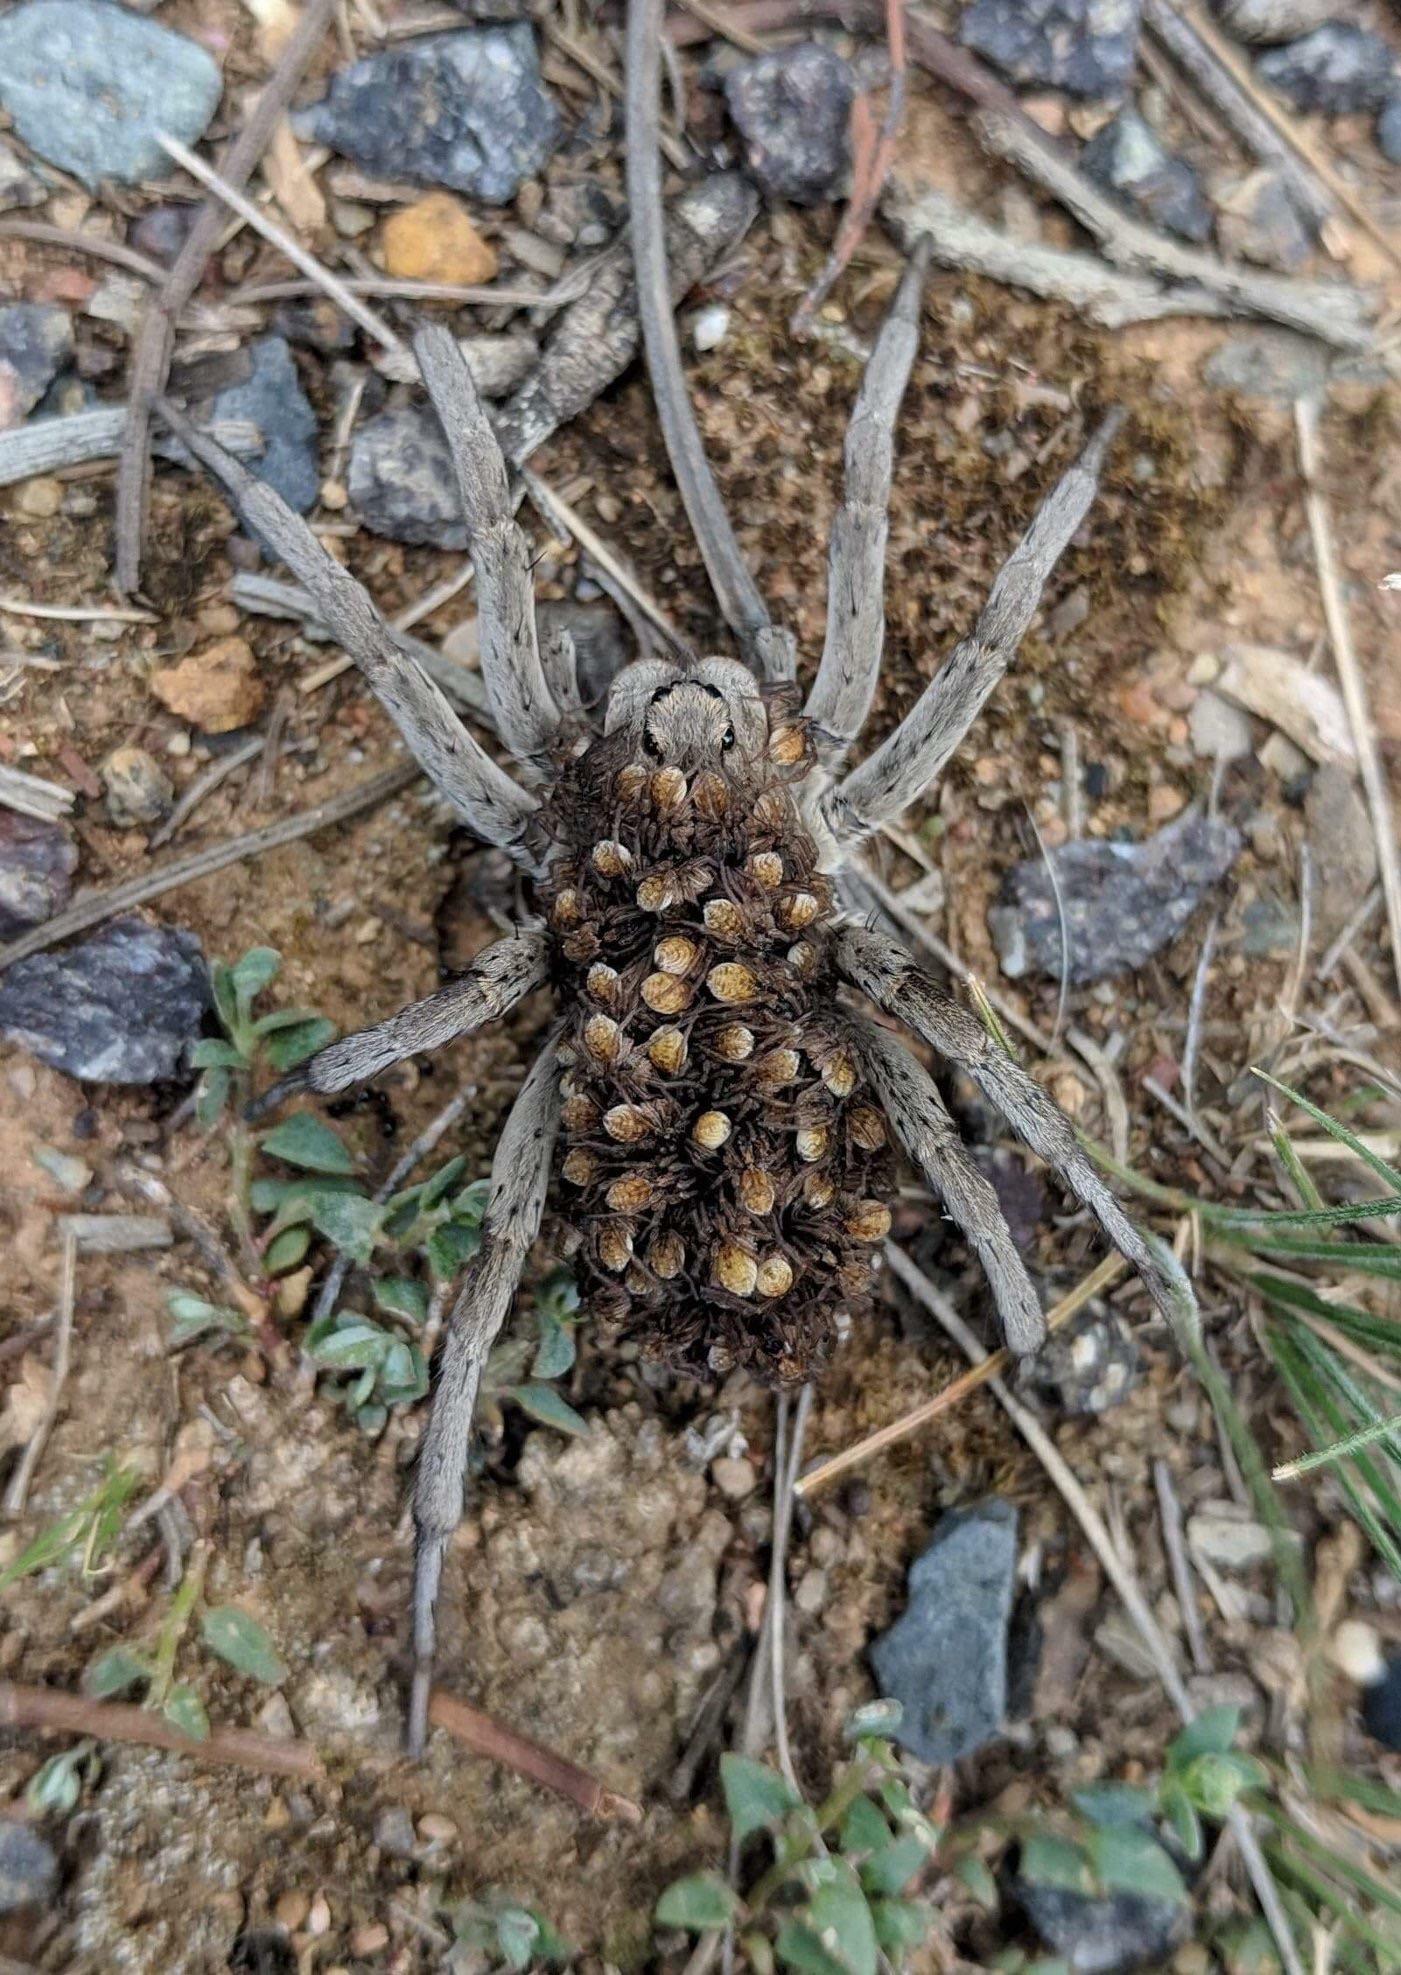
[723, 1109]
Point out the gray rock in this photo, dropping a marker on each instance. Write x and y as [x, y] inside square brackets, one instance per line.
[37, 862]
[1089, 1366]
[401, 481]
[1269, 363]
[792, 107]
[945, 1658]
[18, 185]
[1129, 158]
[162, 231]
[1220, 731]
[1389, 130]
[272, 398]
[1344, 848]
[394, 1832]
[1258, 220]
[1267, 21]
[465, 109]
[1084, 46]
[138, 789]
[1269, 927]
[1105, 1936]
[1337, 67]
[36, 340]
[89, 85]
[28, 1867]
[1227, 1542]
[1121, 902]
[121, 1008]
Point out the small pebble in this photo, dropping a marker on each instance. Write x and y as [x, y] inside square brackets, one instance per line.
[734, 1477]
[792, 106]
[291, 1911]
[138, 789]
[40, 500]
[217, 689]
[710, 326]
[394, 1832]
[318, 1920]
[436, 1829]
[1337, 68]
[434, 240]
[370, 1939]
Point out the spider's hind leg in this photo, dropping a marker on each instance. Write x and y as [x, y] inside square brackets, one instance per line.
[520, 1174]
[496, 980]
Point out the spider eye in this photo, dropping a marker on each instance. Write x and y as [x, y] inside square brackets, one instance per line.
[727, 739]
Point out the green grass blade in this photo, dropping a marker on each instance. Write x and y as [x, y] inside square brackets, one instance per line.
[1352, 1443]
[1340, 1132]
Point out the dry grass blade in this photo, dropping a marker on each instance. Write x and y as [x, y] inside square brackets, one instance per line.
[17, 1494]
[31, 795]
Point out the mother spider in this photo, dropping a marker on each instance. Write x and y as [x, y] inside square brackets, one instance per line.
[723, 1111]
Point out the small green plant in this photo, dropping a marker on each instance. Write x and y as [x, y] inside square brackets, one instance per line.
[298, 1180]
[85, 1533]
[225, 1630]
[506, 1933]
[829, 1894]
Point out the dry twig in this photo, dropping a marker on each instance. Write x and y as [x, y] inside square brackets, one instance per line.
[1170, 1514]
[17, 1493]
[31, 795]
[56, 1713]
[487, 1737]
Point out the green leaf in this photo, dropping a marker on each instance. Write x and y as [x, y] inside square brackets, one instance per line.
[901, 1923]
[517, 1931]
[757, 1951]
[1114, 1803]
[403, 1377]
[1213, 1782]
[555, 1353]
[891, 1870]
[1127, 1860]
[797, 1946]
[258, 969]
[116, 1671]
[864, 1829]
[221, 981]
[438, 1185]
[698, 1904]
[294, 1044]
[239, 1639]
[54, 1788]
[212, 1096]
[558, 1295]
[285, 1250]
[543, 1403]
[401, 1296]
[349, 1222]
[348, 1343]
[1049, 1860]
[470, 1204]
[1212, 1733]
[449, 1246]
[840, 1917]
[211, 1052]
[1388, 1174]
[973, 1873]
[875, 1718]
[303, 1140]
[184, 1710]
[191, 1316]
[1177, 1808]
[756, 1796]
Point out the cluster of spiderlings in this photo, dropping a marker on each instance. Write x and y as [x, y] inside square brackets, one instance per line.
[720, 1162]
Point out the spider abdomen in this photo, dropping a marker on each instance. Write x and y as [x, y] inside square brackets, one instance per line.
[720, 1159]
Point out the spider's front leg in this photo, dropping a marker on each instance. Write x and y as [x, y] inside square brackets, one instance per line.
[886, 975]
[520, 1175]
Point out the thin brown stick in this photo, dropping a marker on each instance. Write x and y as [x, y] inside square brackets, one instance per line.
[17, 1493]
[911, 1423]
[1174, 1543]
[1354, 690]
[95, 906]
[57, 1713]
[155, 343]
[873, 148]
[492, 1739]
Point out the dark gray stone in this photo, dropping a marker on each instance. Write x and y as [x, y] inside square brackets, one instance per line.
[1122, 902]
[1128, 158]
[1337, 67]
[37, 862]
[36, 340]
[1269, 363]
[1089, 1366]
[1268, 21]
[121, 1008]
[945, 1658]
[1389, 130]
[1259, 221]
[1084, 46]
[1106, 1936]
[465, 109]
[401, 479]
[272, 398]
[28, 1867]
[162, 231]
[792, 107]
[1381, 1706]
[90, 84]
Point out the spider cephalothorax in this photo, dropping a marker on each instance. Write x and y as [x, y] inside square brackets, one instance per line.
[721, 1155]
[722, 1098]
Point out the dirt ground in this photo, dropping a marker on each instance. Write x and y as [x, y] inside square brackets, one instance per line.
[600, 1587]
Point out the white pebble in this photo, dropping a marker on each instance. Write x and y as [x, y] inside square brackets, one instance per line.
[710, 327]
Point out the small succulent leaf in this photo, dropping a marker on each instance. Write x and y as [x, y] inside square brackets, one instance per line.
[449, 1246]
[303, 1140]
[840, 1916]
[1127, 1860]
[241, 1641]
[285, 1250]
[799, 1946]
[543, 1403]
[1212, 1733]
[349, 1222]
[191, 1316]
[891, 1870]
[288, 1047]
[283, 1018]
[403, 1376]
[212, 1052]
[212, 1096]
[258, 969]
[550, 1944]
[1114, 1803]
[976, 1876]
[373, 1419]
[1180, 1815]
[875, 1718]
[698, 1903]
[558, 1295]
[1213, 1782]
[901, 1924]
[184, 1710]
[401, 1296]
[438, 1185]
[116, 1671]
[221, 981]
[54, 1788]
[348, 1343]
[864, 1829]
[1049, 1860]
[756, 1796]
[556, 1351]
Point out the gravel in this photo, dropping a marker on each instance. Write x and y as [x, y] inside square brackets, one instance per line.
[1338, 67]
[37, 862]
[792, 107]
[120, 1008]
[1129, 159]
[36, 340]
[1086, 47]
